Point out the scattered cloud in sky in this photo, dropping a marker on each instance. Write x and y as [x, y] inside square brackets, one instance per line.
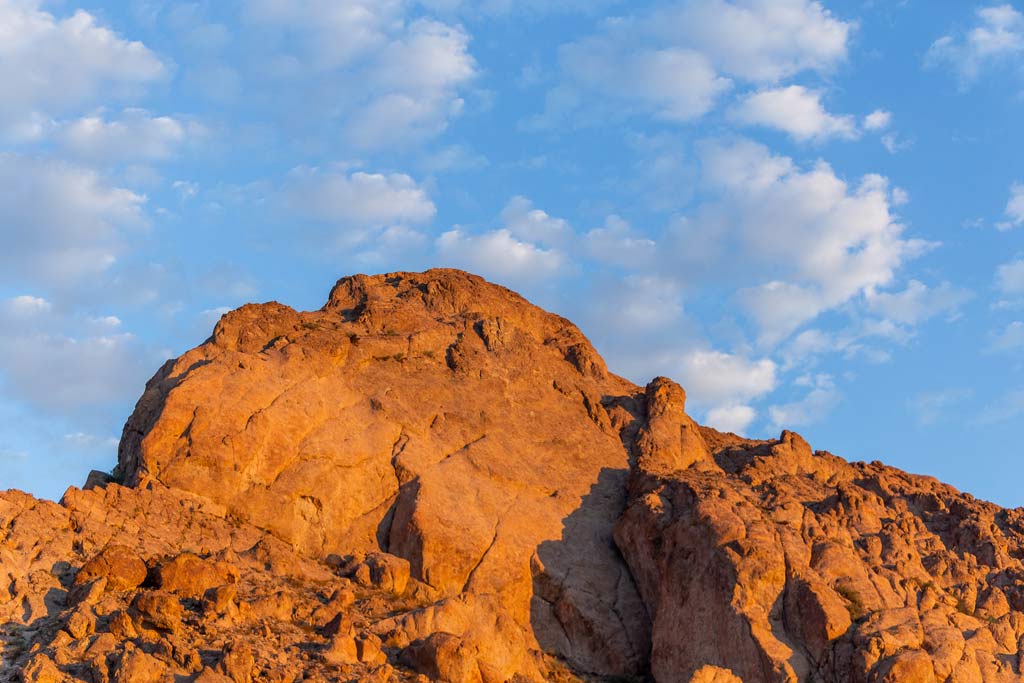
[526, 222]
[50, 65]
[794, 110]
[722, 385]
[498, 254]
[64, 363]
[812, 240]
[355, 201]
[134, 135]
[1009, 339]
[879, 119]
[246, 152]
[675, 62]
[62, 222]
[997, 36]
[931, 406]
[821, 398]
[1014, 209]
[1010, 277]
[918, 302]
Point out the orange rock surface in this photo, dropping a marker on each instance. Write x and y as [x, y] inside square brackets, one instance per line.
[431, 477]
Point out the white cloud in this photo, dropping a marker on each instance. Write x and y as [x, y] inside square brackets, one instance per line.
[63, 363]
[757, 40]
[26, 305]
[1014, 208]
[808, 240]
[794, 110]
[135, 136]
[417, 77]
[675, 84]
[633, 304]
[333, 34]
[918, 302]
[357, 200]
[813, 407]
[534, 225]
[391, 80]
[617, 243]
[499, 255]
[1010, 277]
[49, 66]
[717, 379]
[675, 62]
[1009, 339]
[61, 222]
[879, 119]
[998, 35]
[734, 418]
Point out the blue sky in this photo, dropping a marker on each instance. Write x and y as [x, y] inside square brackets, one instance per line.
[809, 213]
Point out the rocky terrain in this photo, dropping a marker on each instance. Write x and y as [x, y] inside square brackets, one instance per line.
[431, 478]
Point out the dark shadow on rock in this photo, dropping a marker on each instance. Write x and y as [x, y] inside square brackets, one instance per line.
[585, 607]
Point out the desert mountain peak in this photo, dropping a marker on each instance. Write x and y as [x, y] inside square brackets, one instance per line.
[430, 474]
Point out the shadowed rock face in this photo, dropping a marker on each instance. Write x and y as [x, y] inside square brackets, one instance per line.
[431, 474]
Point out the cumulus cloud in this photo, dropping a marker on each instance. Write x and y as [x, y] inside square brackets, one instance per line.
[878, 120]
[60, 221]
[1014, 208]
[821, 397]
[813, 241]
[528, 223]
[365, 24]
[676, 61]
[918, 302]
[675, 84]
[1009, 339]
[1010, 277]
[356, 202]
[136, 135]
[391, 81]
[758, 40]
[997, 36]
[715, 378]
[64, 363]
[498, 255]
[794, 110]
[734, 419]
[49, 66]
[617, 243]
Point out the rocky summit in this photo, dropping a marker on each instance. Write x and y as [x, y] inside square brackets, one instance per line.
[430, 478]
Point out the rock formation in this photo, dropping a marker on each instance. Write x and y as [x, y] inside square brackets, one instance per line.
[432, 477]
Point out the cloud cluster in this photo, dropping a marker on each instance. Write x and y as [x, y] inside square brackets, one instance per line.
[49, 66]
[61, 221]
[1014, 209]
[390, 80]
[996, 37]
[134, 136]
[66, 364]
[796, 111]
[723, 384]
[676, 61]
[355, 202]
[812, 241]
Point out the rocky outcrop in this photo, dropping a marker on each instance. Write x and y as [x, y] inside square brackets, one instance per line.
[430, 476]
[777, 563]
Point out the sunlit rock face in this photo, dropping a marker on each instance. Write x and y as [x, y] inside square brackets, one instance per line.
[431, 476]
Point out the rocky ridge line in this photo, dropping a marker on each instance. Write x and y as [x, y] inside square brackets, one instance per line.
[432, 477]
